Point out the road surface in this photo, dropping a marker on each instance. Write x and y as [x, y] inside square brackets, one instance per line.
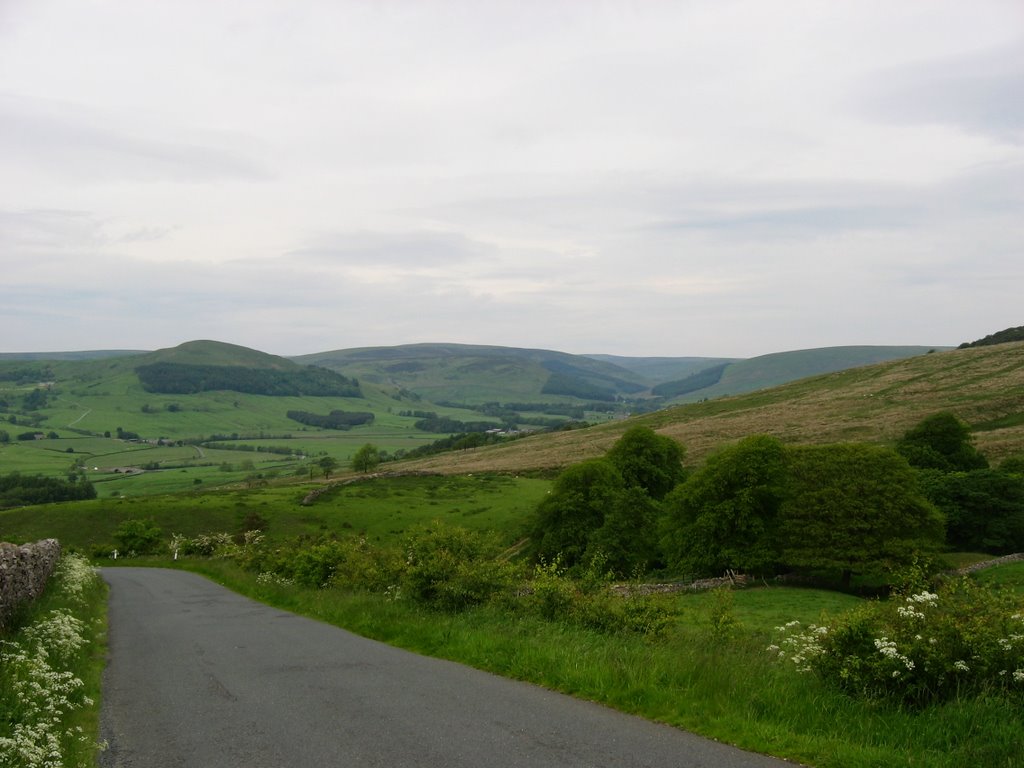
[199, 676]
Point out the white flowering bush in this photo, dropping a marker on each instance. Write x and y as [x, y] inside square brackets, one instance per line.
[268, 578]
[918, 648]
[37, 688]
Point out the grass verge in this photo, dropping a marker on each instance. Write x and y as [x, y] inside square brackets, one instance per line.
[51, 665]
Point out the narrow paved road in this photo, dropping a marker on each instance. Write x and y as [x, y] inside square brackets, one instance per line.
[199, 676]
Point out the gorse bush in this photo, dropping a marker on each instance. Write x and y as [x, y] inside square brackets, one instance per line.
[917, 649]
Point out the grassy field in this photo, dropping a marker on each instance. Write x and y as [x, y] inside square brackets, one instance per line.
[380, 509]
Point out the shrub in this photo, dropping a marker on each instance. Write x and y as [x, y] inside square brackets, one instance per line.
[589, 601]
[918, 649]
[453, 568]
[139, 537]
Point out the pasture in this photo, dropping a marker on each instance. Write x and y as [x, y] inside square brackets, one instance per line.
[382, 510]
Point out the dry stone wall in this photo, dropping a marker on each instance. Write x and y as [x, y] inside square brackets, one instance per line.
[24, 571]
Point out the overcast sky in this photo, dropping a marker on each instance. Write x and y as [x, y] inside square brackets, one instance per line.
[715, 178]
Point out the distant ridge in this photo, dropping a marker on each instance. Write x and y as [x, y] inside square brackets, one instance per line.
[872, 403]
[779, 368]
[94, 354]
[471, 373]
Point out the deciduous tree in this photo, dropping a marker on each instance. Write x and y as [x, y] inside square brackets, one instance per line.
[854, 508]
[725, 515]
[574, 509]
[941, 441]
[366, 459]
[648, 461]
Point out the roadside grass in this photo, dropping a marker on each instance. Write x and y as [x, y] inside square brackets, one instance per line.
[724, 687]
[30, 687]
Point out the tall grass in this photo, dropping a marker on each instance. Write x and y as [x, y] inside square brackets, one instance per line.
[50, 670]
[726, 688]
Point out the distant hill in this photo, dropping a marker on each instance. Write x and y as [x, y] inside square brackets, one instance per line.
[206, 366]
[873, 403]
[205, 352]
[474, 374]
[96, 354]
[656, 370]
[756, 373]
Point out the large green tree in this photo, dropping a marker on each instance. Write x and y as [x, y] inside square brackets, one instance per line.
[574, 509]
[984, 508]
[628, 536]
[941, 441]
[853, 508]
[725, 515]
[648, 460]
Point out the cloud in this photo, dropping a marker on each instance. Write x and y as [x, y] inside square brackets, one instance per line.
[725, 178]
[389, 250]
[981, 92]
[81, 142]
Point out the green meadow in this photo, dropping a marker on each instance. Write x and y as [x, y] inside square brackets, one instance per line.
[381, 509]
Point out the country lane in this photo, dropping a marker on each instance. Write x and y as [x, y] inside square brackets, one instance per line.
[199, 676]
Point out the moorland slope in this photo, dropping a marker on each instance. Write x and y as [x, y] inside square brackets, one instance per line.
[984, 386]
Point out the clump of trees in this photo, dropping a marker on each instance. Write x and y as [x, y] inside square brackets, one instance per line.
[336, 419]
[608, 507]
[983, 507]
[17, 490]
[187, 379]
[761, 507]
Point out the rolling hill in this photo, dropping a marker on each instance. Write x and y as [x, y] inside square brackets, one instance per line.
[478, 374]
[740, 376]
[873, 403]
[210, 402]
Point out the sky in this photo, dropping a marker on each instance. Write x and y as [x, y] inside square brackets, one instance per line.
[722, 178]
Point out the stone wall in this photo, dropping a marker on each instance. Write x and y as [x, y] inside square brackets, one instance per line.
[24, 571]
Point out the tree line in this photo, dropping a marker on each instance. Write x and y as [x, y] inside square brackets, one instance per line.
[187, 379]
[336, 419]
[17, 490]
[765, 508]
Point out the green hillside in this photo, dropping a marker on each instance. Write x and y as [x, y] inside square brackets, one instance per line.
[97, 418]
[657, 370]
[876, 403]
[781, 367]
[215, 353]
[478, 374]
